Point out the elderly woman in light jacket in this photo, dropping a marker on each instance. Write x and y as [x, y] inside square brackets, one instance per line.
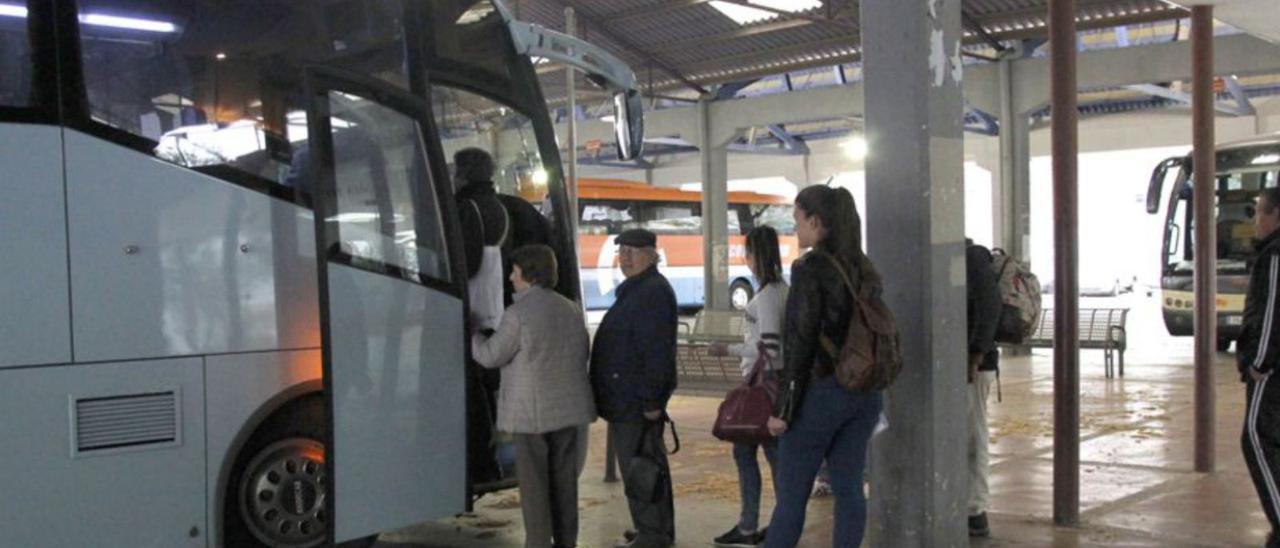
[542, 347]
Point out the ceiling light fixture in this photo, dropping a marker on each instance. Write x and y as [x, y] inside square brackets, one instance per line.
[102, 20]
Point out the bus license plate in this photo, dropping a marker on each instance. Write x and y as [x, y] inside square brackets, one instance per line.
[1233, 320]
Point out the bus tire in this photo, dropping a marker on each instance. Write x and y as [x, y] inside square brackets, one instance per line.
[740, 293]
[281, 463]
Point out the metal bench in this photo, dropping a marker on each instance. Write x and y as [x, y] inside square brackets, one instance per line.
[693, 363]
[1100, 328]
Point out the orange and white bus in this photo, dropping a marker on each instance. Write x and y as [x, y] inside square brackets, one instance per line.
[608, 207]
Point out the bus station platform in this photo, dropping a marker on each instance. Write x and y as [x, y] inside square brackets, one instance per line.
[1137, 484]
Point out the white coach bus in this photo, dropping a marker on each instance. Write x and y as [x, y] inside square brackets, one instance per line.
[232, 298]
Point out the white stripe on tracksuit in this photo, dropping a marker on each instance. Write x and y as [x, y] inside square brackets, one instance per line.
[1263, 464]
[1268, 314]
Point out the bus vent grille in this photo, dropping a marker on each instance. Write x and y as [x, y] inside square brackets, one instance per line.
[118, 422]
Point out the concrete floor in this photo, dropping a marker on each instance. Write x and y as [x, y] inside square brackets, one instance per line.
[1137, 487]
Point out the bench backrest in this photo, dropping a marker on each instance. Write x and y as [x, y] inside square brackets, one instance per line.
[1094, 323]
[719, 323]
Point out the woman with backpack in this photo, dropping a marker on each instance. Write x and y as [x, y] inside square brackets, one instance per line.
[764, 330]
[816, 417]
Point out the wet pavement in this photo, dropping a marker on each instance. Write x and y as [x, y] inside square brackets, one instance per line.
[1137, 484]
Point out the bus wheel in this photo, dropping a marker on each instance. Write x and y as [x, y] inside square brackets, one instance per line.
[1224, 344]
[740, 293]
[276, 493]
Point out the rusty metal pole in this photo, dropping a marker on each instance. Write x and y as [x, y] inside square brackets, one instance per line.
[1206, 276]
[1066, 355]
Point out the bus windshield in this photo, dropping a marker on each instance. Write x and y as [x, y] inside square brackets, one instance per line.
[1241, 174]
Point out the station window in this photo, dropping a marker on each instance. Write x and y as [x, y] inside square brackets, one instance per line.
[218, 86]
[15, 56]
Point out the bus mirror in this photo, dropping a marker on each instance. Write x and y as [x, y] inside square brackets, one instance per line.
[1156, 187]
[628, 124]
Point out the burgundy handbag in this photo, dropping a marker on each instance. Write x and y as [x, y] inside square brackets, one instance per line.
[744, 414]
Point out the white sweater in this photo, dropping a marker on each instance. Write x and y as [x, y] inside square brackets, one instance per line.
[766, 315]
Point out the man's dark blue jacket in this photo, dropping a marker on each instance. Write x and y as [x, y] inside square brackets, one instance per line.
[633, 361]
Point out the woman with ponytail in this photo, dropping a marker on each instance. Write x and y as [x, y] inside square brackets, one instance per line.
[815, 417]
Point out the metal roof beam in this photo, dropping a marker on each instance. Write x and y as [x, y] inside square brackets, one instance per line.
[634, 49]
[636, 13]
[1178, 96]
[753, 30]
[789, 141]
[976, 28]
[730, 90]
[1237, 93]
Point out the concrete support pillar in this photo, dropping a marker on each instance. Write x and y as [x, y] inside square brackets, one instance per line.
[715, 209]
[915, 227]
[1014, 233]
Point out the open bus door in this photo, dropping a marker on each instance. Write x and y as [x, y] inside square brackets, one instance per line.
[1155, 189]
[391, 311]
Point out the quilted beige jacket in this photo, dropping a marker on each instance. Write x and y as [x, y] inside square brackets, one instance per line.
[542, 348]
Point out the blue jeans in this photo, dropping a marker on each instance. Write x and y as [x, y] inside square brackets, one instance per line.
[835, 424]
[749, 484]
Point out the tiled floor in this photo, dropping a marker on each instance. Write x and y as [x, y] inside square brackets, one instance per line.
[1137, 487]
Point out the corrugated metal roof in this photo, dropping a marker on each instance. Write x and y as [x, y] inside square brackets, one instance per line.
[690, 39]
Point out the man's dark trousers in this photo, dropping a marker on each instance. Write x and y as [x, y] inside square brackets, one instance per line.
[1261, 443]
[655, 520]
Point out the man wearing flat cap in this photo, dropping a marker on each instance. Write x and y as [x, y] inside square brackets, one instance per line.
[633, 373]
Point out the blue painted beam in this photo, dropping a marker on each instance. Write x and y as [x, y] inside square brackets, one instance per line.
[789, 142]
[1241, 98]
[730, 90]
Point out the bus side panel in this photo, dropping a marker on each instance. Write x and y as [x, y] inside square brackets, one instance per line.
[60, 492]
[35, 320]
[166, 261]
[237, 386]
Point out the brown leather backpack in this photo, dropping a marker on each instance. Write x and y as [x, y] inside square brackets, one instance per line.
[871, 357]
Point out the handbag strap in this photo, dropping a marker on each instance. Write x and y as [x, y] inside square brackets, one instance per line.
[662, 430]
[762, 364]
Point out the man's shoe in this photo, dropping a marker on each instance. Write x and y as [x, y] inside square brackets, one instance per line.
[978, 526]
[735, 537]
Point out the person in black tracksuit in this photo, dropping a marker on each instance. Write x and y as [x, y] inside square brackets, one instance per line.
[1258, 350]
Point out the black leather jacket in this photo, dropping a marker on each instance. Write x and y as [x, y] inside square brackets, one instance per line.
[819, 304]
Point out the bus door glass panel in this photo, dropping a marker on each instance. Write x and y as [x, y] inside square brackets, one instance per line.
[217, 86]
[15, 60]
[1178, 258]
[393, 319]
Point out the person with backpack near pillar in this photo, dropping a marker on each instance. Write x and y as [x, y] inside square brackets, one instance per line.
[817, 415]
[984, 308]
